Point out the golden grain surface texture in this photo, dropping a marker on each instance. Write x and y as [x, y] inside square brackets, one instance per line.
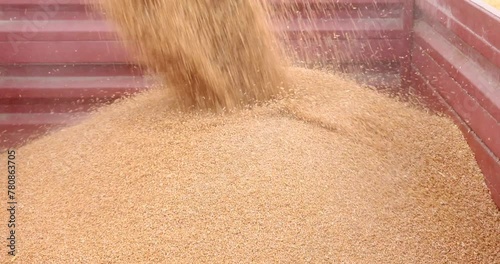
[335, 173]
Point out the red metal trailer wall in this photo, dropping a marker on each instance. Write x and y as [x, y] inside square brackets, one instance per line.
[456, 69]
[56, 62]
[365, 36]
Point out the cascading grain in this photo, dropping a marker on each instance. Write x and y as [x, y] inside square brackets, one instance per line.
[211, 54]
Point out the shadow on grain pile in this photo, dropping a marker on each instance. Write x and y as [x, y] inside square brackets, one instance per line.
[331, 173]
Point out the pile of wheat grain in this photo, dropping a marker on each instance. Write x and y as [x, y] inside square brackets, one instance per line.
[334, 174]
[331, 173]
[212, 54]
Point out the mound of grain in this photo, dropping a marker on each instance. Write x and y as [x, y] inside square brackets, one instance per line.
[212, 54]
[337, 173]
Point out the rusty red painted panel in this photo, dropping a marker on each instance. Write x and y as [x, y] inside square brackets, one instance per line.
[15, 128]
[425, 96]
[98, 30]
[57, 30]
[62, 95]
[457, 71]
[46, 52]
[350, 51]
[332, 10]
[67, 70]
[472, 24]
[390, 28]
[408, 10]
[484, 24]
[326, 12]
[77, 9]
[50, 106]
[368, 68]
[70, 87]
[19, 120]
[489, 164]
[22, 15]
[26, 50]
[487, 161]
[476, 117]
[482, 81]
[15, 139]
[45, 2]
[458, 44]
[45, 10]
